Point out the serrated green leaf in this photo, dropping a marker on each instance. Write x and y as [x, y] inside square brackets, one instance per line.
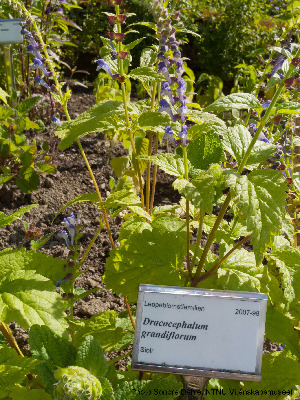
[20, 259]
[170, 163]
[261, 197]
[47, 345]
[97, 118]
[230, 279]
[206, 122]
[151, 255]
[205, 148]
[5, 112]
[130, 46]
[154, 120]
[237, 140]
[104, 329]
[120, 165]
[122, 198]
[8, 219]
[13, 369]
[29, 180]
[29, 298]
[237, 101]
[107, 390]
[200, 191]
[90, 356]
[93, 197]
[286, 335]
[22, 392]
[25, 105]
[241, 260]
[159, 389]
[148, 57]
[48, 168]
[146, 74]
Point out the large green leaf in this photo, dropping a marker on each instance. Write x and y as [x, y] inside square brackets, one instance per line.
[29, 298]
[25, 105]
[205, 148]
[97, 118]
[8, 219]
[20, 259]
[22, 392]
[90, 356]
[56, 351]
[146, 74]
[13, 369]
[286, 335]
[206, 122]
[234, 101]
[261, 198]
[151, 256]
[154, 120]
[170, 163]
[104, 327]
[200, 191]
[236, 141]
[288, 107]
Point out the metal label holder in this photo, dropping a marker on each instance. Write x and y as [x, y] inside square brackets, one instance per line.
[254, 306]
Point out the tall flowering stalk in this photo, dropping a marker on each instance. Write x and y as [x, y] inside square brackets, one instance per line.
[46, 66]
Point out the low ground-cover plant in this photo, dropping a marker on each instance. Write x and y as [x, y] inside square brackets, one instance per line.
[233, 190]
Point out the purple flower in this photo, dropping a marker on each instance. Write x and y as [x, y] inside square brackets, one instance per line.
[169, 134]
[56, 121]
[164, 106]
[181, 89]
[28, 35]
[182, 110]
[167, 91]
[179, 69]
[183, 135]
[162, 69]
[103, 65]
[33, 50]
[263, 138]
[266, 104]
[164, 48]
[113, 52]
[65, 236]
[177, 55]
[37, 64]
[69, 224]
[40, 82]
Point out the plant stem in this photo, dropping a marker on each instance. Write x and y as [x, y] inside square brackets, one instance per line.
[150, 139]
[129, 312]
[187, 212]
[91, 243]
[4, 328]
[199, 235]
[219, 262]
[154, 177]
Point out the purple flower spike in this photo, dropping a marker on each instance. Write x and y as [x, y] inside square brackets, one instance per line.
[103, 65]
[40, 82]
[69, 224]
[183, 135]
[177, 55]
[164, 106]
[162, 69]
[167, 91]
[37, 64]
[56, 121]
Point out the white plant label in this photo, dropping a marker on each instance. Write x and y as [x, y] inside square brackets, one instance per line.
[10, 31]
[200, 332]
